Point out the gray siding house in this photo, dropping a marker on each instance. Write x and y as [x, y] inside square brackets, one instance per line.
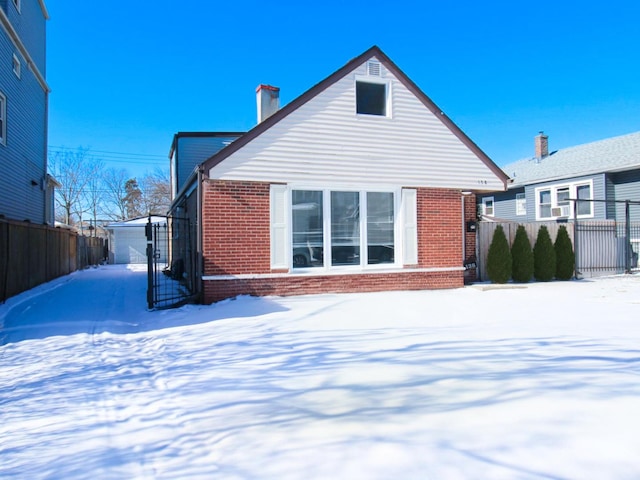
[541, 187]
[190, 149]
[26, 191]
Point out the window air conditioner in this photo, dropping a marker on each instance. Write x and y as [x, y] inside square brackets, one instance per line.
[562, 211]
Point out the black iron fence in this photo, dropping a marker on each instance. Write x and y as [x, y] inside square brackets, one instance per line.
[605, 247]
[169, 281]
[602, 247]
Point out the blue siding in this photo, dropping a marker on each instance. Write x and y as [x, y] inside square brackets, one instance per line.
[505, 202]
[23, 158]
[626, 186]
[30, 25]
[191, 151]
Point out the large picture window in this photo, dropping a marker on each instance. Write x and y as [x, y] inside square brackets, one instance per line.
[380, 227]
[342, 228]
[308, 228]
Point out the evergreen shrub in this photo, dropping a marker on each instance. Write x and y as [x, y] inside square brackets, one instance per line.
[544, 256]
[565, 259]
[522, 257]
[499, 257]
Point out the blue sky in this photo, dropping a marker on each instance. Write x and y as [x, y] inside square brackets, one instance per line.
[125, 79]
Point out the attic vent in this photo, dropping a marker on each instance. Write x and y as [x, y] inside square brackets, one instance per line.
[373, 68]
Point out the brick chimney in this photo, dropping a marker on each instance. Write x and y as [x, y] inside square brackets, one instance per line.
[268, 99]
[542, 146]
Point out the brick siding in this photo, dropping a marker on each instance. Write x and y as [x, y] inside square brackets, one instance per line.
[236, 241]
[215, 290]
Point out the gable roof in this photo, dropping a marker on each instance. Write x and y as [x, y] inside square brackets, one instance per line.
[332, 79]
[610, 155]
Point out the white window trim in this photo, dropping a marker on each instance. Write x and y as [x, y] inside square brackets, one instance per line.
[3, 116]
[486, 200]
[363, 266]
[521, 204]
[573, 193]
[389, 96]
[17, 66]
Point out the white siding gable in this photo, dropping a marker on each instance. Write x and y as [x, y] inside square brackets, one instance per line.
[324, 140]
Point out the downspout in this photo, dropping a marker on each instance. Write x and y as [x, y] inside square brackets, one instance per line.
[199, 234]
[464, 233]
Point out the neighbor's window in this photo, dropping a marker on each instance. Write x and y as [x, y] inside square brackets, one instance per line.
[371, 98]
[521, 204]
[342, 228]
[487, 206]
[3, 119]
[584, 193]
[555, 202]
[16, 66]
[17, 4]
[544, 197]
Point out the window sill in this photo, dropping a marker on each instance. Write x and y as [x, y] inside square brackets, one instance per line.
[326, 273]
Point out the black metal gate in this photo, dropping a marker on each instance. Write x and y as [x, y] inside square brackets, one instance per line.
[168, 252]
[605, 247]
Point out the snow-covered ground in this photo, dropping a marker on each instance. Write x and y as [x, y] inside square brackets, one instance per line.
[525, 383]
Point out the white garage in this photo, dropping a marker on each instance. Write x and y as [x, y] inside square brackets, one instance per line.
[128, 242]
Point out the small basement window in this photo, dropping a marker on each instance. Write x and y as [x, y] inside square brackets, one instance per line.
[16, 66]
[371, 98]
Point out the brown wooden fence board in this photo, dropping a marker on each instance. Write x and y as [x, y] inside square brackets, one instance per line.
[33, 254]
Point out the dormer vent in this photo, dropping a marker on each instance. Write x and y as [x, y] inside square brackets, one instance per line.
[374, 69]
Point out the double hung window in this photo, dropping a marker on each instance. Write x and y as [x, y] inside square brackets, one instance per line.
[521, 204]
[487, 206]
[556, 201]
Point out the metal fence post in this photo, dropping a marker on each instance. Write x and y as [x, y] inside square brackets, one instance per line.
[575, 238]
[149, 232]
[627, 232]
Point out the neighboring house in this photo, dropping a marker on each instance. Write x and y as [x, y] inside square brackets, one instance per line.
[541, 187]
[26, 190]
[128, 240]
[190, 149]
[360, 184]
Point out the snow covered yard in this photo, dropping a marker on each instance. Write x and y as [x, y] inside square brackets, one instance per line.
[525, 383]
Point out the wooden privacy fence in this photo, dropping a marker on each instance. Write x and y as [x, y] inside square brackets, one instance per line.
[485, 235]
[602, 247]
[33, 254]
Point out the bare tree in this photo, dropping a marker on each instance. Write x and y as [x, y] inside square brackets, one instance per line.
[156, 192]
[115, 203]
[74, 169]
[94, 193]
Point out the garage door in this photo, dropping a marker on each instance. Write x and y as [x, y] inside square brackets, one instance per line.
[130, 246]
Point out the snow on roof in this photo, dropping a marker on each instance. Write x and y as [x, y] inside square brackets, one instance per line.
[138, 222]
[609, 155]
